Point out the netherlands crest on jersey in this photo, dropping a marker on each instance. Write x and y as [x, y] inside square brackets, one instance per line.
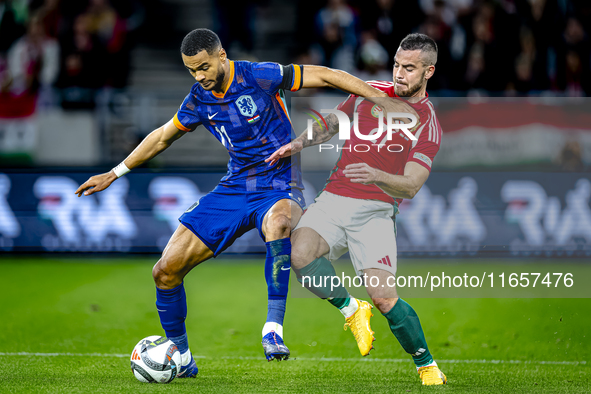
[246, 105]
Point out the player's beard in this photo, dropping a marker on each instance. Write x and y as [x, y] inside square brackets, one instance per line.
[413, 89]
[219, 80]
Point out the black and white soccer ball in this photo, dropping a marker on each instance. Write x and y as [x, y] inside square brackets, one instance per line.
[155, 359]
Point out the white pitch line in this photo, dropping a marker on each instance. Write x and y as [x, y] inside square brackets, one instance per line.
[65, 354]
[406, 360]
[117, 355]
[325, 359]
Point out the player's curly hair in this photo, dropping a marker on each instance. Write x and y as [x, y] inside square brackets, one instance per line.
[422, 42]
[199, 40]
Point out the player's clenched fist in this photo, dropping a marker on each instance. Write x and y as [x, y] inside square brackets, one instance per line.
[362, 173]
[96, 183]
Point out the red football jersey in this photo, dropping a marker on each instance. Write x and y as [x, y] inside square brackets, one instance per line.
[387, 155]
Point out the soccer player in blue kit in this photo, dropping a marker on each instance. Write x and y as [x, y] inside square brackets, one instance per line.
[241, 103]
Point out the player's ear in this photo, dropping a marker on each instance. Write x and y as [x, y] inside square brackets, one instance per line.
[223, 55]
[430, 71]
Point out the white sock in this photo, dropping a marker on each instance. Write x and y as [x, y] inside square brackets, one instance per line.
[350, 309]
[186, 358]
[272, 326]
[431, 364]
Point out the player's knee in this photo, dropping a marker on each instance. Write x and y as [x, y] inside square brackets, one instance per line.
[384, 305]
[164, 277]
[279, 224]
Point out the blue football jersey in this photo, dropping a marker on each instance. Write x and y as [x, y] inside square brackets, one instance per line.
[251, 120]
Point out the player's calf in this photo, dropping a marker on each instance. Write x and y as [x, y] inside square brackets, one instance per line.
[384, 304]
[356, 312]
[183, 252]
[277, 269]
[307, 246]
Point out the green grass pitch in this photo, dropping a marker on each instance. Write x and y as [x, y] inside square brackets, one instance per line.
[90, 313]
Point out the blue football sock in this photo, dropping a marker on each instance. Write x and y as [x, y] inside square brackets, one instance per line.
[182, 342]
[277, 267]
[172, 308]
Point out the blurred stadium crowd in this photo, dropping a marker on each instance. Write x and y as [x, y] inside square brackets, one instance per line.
[119, 59]
[76, 46]
[501, 47]
[506, 47]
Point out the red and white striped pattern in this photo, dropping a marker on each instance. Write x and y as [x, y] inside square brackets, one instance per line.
[384, 84]
[434, 127]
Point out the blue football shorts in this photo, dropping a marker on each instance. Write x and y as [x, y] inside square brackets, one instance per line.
[224, 215]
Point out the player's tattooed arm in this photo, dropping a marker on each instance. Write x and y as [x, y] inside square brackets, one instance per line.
[154, 143]
[320, 134]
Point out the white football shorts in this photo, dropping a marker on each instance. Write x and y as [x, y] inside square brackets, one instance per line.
[365, 228]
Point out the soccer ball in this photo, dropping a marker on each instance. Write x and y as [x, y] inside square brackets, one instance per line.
[155, 359]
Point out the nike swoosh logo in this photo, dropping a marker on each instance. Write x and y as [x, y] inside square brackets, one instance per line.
[285, 268]
[211, 116]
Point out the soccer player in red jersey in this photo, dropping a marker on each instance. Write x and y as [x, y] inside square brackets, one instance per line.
[354, 211]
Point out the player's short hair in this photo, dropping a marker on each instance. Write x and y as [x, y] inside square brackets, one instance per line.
[199, 40]
[423, 43]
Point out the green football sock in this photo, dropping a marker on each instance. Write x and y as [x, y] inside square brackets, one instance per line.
[317, 277]
[406, 327]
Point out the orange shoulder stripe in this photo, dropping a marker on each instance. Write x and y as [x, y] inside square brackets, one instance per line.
[297, 78]
[278, 97]
[178, 123]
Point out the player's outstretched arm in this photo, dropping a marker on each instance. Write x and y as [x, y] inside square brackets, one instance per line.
[319, 76]
[323, 77]
[319, 135]
[154, 143]
[397, 186]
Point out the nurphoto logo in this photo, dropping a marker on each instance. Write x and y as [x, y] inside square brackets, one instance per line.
[382, 134]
